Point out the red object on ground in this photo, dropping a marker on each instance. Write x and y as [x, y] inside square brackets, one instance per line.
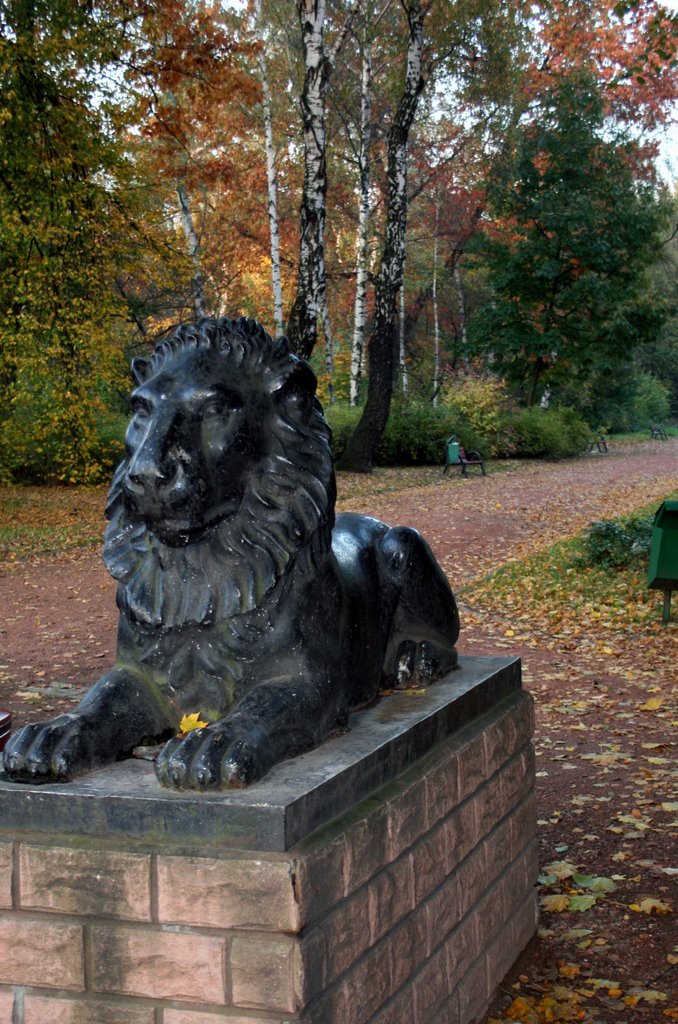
[5, 727]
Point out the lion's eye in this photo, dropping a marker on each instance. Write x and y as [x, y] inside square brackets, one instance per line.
[140, 411]
[222, 407]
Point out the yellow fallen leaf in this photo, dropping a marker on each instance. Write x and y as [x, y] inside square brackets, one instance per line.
[190, 722]
[556, 903]
[569, 970]
[653, 704]
[614, 993]
[650, 906]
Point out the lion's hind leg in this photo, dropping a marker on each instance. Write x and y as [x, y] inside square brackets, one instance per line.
[425, 623]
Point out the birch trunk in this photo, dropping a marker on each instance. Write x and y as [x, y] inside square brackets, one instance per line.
[272, 181]
[359, 454]
[198, 283]
[302, 325]
[360, 311]
[402, 351]
[461, 305]
[436, 322]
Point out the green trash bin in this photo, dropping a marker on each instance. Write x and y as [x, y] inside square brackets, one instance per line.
[662, 573]
[452, 447]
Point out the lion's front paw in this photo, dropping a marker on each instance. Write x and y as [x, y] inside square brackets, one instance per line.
[51, 752]
[220, 756]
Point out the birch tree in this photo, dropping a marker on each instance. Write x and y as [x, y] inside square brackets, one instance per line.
[362, 245]
[360, 450]
[272, 183]
[193, 244]
[309, 304]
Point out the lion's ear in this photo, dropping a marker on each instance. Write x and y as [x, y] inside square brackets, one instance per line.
[141, 369]
[298, 388]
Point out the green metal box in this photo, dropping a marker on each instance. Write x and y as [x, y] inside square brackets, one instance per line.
[452, 446]
[662, 571]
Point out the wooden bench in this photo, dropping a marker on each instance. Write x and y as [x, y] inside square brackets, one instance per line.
[657, 432]
[598, 444]
[455, 455]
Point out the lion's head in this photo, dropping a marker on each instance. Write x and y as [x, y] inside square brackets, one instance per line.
[227, 477]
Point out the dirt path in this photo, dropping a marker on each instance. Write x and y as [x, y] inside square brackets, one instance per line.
[57, 631]
[604, 765]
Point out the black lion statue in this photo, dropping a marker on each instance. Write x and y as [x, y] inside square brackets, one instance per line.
[240, 597]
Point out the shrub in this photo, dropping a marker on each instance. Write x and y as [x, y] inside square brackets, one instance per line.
[343, 420]
[552, 433]
[617, 542]
[482, 412]
[415, 435]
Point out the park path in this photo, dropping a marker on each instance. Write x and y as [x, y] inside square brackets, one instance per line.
[59, 618]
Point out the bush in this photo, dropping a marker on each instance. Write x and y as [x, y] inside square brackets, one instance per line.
[552, 433]
[343, 420]
[617, 543]
[483, 414]
[415, 435]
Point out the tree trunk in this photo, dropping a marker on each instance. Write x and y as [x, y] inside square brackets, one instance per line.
[272, 180]
[539, 366]
[360, 311]
[436, 322]
[198, 283]
[359, 453]
[402, 349]
[329, 353]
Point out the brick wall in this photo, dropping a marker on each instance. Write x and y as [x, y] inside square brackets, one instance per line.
[409, 909]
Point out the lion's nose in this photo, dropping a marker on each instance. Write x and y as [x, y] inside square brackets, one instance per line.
[148, 476]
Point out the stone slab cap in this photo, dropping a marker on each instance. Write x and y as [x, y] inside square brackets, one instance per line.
[298, 796]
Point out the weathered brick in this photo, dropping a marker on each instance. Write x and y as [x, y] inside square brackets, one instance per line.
[497, 846]
[312, 966]
[442, 911]
[524, 922]
[431, 987]
[442, 788]
[320, 873]
[523, 824]
[408, 944]
[429, 862]
[518, 776]
[198, 1017]
[391, 896]
[500, 737]
[449, 1012]
[490, 807]
[473, 993]
[368, 846]
[40, 1009]
[158, 964]
[462, 947]
[5, 875]
[262, 973]
[6, 1006]
[407, 817]
[500, 955]
[472, 875]
[86, 882]
[472, 769]
[492, 910]
[461, 831]
[227, 893]
[42, 953]
[347, 934]
[367, 987]
[397, 1010]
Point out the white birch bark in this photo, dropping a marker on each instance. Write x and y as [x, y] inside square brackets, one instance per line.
[402, 355]
[188, 227]
[436, 321]
[312, 279]
[360, 308]
[272, 182]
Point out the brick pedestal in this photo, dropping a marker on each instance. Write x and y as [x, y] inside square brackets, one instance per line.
[408, 906]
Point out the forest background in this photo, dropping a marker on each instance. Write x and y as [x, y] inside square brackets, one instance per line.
[452, 208]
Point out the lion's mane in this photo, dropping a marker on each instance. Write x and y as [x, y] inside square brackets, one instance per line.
[285, 517]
